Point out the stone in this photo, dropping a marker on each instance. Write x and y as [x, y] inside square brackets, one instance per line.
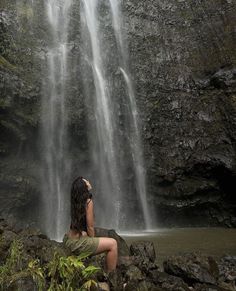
[227, 269]
[206, 287]
[143, 250]
[134, 274]
[166, 281]
[103, 286]
[6, 238]
[23, 282]
[193, 268]
[143, 255]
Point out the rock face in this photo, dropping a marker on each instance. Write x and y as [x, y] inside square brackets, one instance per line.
[183, 59]
[183, 63]
[20, 90]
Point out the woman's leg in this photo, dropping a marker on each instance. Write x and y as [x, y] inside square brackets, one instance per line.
[108, 245]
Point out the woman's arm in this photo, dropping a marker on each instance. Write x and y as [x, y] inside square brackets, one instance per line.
[90, 218]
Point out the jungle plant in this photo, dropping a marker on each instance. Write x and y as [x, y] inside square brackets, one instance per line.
[12, 264]
[70, 273]
[61, 274]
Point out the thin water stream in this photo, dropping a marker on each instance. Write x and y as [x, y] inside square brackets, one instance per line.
[54, 122]
[135, 139]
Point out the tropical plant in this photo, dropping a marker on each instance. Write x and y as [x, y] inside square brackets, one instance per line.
[70, 273]
[12, 264]
[60, 274]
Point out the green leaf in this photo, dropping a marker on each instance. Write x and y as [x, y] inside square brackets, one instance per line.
[83, 255]
[90, 270]
[87, 285]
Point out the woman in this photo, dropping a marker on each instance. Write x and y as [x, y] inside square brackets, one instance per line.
[81, 236]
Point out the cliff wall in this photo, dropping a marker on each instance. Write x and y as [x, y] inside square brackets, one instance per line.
[183, 63]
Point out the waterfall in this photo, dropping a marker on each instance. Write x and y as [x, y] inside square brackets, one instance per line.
[136, 145]
[116, 160]
[110, 169]
[54, 123]
[104, 151]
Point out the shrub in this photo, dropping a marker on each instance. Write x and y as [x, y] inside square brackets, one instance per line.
[61, 274]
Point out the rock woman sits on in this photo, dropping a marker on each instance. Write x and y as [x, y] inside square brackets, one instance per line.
[81, 236]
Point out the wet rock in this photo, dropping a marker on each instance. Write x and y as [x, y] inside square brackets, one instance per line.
[141, 286]
[147, 286]
[205, 287]
[166, 281]
[23, 282]
[4, 225]
[6, 238]
[143, 250]
[134, 274]
[224, 78]
[143, 255]
[43, 249]
[29, 232]
[193, 268]
[227, 269]
[116, 280]
[185, 90]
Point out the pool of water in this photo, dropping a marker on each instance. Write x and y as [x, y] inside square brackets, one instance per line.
[211, 241]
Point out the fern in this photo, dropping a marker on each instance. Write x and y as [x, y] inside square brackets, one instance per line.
[60, 274]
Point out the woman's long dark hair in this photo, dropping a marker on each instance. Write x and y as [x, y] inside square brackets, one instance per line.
[79, 197]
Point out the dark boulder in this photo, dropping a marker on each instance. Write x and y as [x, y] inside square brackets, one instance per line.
[167, 282]
[206, 287]
[227, 269]
[143, 255]
[133, 273]
[143, 250]
[193, 268]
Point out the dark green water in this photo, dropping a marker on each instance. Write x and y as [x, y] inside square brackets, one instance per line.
[211, 241]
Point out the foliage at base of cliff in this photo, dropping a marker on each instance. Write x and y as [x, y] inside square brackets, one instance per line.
[62, 273]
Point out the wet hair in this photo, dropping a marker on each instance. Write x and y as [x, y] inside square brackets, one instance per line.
[79, 197]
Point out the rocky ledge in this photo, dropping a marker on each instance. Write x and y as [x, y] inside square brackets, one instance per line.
[137, 268]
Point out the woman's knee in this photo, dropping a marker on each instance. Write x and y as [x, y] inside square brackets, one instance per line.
[113, 243]
[106, 244]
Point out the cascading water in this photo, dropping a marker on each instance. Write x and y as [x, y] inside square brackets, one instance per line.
[137, 156]
[111, 169]
[117, 167]
[104, 155]
[54, 123]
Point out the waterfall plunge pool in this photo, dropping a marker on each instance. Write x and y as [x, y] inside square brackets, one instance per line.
[211, 241]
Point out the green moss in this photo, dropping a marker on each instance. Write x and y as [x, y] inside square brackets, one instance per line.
[5, 64]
